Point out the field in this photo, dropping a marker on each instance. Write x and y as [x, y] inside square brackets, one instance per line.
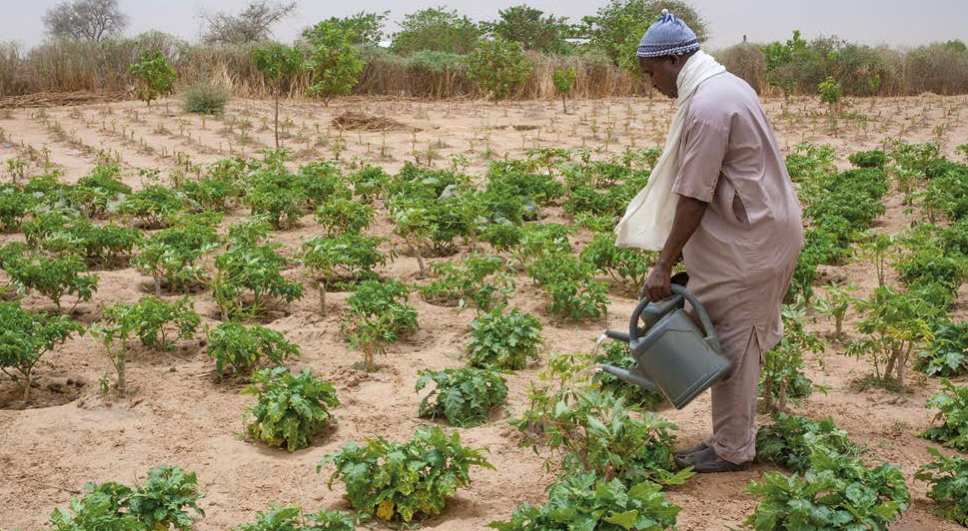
[176, 412]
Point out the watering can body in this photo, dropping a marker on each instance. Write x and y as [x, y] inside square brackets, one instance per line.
[673, 356]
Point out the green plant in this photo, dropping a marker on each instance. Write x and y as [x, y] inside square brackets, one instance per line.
[626, 265]
[25, 337]
[14, 206]
[948, 477]
[465, 396]
[584, 501]
[833, 493]
[156, 76]
[952, 406]
[878, 250]
[435, 29]
[205, 98]
[947, 353]
[172, 256]
[415, 226]
[291, 409]
[277, 63]
[829, 91]
[153, 205]
[288, 518]
[151, 319]
[386, 300]
[52, 277]
[782, 376]
[93, 194]
[63, 233]
[836, 304]
[348, 257]
[249, 274]
[571, 283]
[503, 340]
[334, 62]
[894, 324]
[370, 335]
[274, 192]
[789, 441]
[161, 502]
[246, 348]
[869, 159]
[415, 478]
[477, 280]
[498, 66]
[342, 215]
[564, 81]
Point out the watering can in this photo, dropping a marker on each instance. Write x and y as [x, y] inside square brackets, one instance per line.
[673, 357]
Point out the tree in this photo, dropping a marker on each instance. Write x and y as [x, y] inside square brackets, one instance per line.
[366, 27]
[564, 80]
[156, 76]
[436, 29]
[253, 24]
[334, 62]
[277, 62]
[532, 29]
[618, 27]
[85, 20]
[498, 66]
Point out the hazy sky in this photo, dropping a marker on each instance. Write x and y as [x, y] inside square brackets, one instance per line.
[895, 22]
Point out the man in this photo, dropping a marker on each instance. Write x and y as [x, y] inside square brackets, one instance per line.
[722, 199]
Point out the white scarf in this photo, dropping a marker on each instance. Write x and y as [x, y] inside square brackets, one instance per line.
[648, 219]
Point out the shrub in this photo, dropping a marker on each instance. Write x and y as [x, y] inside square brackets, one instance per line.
[344, 215]
[948, 477]
[869, 159]
[205, 98]
[171, 256]
[334, 62]
[162, 502]
[503, 340]
[25, 337]
[465, 396]
[151, 320]
[288, 518]
[782, 375]
[626, 265]
[416, 478]
[435, 29]
[277, 63]
[571, 283]
[829, 91]
[249, 274]
[564, 80]
[63, 233]
[92, 194]
[246, 348]
[52, 277]
[952, 409]
[153, 205]
[477, 280]
[947, 353]
[275, 193]
[347, 257]
[291, 408]
[373, 298]
[155, 75]
[498, 66]
[583, 501]
[834, 493]
[789, 441]
[14, 206]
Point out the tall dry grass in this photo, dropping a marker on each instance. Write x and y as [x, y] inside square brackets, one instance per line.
[69, 66]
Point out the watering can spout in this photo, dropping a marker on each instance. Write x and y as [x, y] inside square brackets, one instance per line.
[631, 377]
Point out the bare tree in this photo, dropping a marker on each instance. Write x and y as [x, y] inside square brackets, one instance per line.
[253, 24]
[85, 20]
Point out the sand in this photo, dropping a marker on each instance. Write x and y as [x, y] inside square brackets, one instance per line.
[177, 413]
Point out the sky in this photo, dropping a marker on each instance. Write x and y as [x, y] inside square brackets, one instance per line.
[899, 23]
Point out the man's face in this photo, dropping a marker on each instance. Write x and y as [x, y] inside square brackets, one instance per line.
[662, 72]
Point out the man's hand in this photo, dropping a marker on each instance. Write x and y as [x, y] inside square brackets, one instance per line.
[657, 287]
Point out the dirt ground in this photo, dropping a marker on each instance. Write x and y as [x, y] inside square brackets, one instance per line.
[177, 414]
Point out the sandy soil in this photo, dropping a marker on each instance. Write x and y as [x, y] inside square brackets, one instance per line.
[177, 414]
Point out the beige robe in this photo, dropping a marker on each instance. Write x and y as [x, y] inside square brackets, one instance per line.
[741, 258]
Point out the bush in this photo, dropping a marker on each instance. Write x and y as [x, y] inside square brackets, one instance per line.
[789, 441]
[869, 159]
[373, 298]
[291, 408]
[349, 257]
[288, 518]
[161, 502]
[152, 320]
[947, 353]
[583, 501]
[155, 75]
[435, 29]
[245, 348]
[465, 396]
[834, 493]
[52, 277]
[948, 477]
[344, 215]
[502, 340]
[952, 409]
[477, 280]
[571, 283]
[392, 480]
[626, 265]
[61, 233]
[171, 256]
[334, 62]
[25, 337]
[205, 98]
[782, 375]
[498, 66]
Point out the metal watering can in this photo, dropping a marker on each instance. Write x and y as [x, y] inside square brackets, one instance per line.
[672, 355]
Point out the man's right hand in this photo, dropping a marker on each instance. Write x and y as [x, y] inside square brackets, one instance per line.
[658, 287]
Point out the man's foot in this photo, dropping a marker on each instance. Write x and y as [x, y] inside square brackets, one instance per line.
[706, 461]
[686, 451]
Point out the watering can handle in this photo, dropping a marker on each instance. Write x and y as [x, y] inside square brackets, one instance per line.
[678, 291]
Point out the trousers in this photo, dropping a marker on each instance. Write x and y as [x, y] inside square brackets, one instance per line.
[734, 398]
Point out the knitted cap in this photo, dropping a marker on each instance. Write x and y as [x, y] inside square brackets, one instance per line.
[667, 36]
